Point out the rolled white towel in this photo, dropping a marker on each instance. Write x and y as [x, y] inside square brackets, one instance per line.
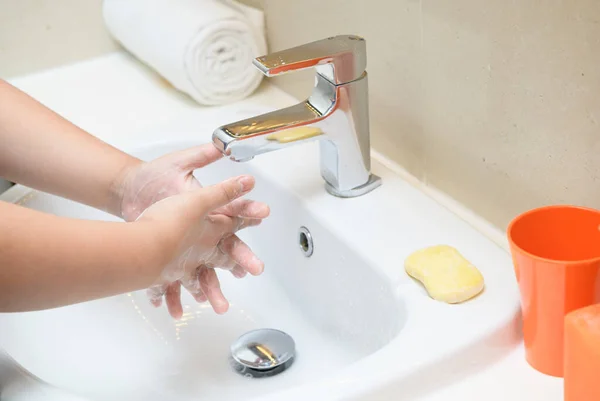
[202, 47]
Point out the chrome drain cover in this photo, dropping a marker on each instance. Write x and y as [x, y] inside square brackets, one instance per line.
[263, 353]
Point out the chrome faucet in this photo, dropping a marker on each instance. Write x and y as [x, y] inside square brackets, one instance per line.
[336, 113]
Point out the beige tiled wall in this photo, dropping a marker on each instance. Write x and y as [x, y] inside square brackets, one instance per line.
[39, 34]
[254, 3]
[495, 102]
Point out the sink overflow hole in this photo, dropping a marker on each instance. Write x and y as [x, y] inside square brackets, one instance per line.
[305, 241]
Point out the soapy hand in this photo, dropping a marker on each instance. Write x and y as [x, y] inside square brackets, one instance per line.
[148, 183]
[196, 241]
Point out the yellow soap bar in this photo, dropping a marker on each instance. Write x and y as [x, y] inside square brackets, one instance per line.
[445, 273]
[294, 134]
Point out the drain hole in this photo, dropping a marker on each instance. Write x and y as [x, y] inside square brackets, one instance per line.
[304, 245]
[305, 241]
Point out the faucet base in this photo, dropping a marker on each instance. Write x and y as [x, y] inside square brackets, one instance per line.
[374, 182]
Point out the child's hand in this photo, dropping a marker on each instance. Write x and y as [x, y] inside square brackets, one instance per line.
[146, 183]
[196, 240]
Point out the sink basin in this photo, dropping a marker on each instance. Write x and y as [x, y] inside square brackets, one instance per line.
[121, 348]
[363, 329]
[356, 328]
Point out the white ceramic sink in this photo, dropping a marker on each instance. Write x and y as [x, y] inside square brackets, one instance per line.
[337, 306]
[121, 348]
[363, 328]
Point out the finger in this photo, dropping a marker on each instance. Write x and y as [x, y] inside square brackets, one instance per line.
[173, 297]
[228, 225]
[196, 157]
[219, 260]
[209, 283]
[241, 254]
[192, 284]
[155, 294]
[238, 271]
[200, 298]
[219, 195]
[249, 223]
[245, 208]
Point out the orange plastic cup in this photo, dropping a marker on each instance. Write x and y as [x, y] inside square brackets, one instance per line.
[556, 255]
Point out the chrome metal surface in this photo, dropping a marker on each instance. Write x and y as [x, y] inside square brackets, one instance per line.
[4, 185]
[338, 107]
[305, 241]
[263, 352]
[374, 182]
[340, 59]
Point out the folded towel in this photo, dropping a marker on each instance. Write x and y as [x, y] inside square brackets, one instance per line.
[202, 47]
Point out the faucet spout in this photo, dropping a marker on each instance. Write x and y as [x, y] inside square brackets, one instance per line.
[336, 114]
[247, 138]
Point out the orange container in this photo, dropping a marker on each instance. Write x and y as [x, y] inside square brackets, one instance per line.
[582, 354]
[556, 255]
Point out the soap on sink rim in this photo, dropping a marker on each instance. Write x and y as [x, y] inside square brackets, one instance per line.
[445, 273]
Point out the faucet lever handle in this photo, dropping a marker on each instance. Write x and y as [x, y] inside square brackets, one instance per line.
[339, 59]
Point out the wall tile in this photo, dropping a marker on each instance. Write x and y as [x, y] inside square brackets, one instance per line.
[40, 34]
[496, 103]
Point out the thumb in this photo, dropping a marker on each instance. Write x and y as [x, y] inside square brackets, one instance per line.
[218, 195]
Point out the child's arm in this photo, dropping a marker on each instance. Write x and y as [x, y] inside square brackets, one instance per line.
[48, 261]
[40, 149]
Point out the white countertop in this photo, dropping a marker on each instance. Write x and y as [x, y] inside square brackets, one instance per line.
[92, 93]
[509, 379]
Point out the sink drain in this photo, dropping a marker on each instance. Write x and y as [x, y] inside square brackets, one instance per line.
[263, 353]
[305, 241]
